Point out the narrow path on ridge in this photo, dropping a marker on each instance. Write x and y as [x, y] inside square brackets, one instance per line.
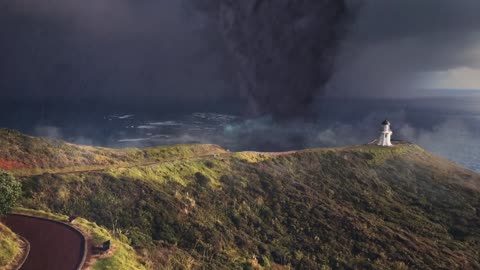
[135, 165]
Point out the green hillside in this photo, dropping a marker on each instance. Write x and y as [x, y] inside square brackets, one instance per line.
[26, 155]
[361, 207]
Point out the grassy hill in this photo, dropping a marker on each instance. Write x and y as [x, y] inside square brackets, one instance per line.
[360, 207]
[28, 155]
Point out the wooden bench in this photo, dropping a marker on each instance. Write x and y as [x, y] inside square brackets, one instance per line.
[106, 245]
[72, 218]
[103, 248]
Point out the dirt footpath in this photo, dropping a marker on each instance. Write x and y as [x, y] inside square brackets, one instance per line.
[53, 245]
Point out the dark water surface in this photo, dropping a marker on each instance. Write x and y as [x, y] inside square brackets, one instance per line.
[448, 126]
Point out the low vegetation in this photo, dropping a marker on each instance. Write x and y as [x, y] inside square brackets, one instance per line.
[10, 190]
[26, 155]
[363, 207]
[10, 247]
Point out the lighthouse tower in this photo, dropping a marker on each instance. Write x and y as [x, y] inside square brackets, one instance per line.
[385, 135]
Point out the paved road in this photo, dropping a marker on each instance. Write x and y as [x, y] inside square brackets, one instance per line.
[53, 246]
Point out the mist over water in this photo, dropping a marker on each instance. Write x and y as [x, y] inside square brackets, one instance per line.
[443, 125]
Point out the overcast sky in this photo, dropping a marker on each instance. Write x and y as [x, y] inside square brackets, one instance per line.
[108, 48]
[397, 46]
[123, 48]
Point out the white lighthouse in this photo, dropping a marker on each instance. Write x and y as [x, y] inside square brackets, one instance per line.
[385, 135]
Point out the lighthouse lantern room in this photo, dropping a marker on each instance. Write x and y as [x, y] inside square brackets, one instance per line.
[385, 135]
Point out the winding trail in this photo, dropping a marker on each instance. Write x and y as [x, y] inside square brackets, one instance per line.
[53, 245]
[135, 165]
[150, 163]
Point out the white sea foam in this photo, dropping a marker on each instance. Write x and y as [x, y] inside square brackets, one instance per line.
[134, 140]
[127, 116]
[146, 127]
[166, 123]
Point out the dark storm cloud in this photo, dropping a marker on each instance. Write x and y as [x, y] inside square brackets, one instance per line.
[282, 50]
[390, 19]
[124, 49]
[108, 48]
[394, 43]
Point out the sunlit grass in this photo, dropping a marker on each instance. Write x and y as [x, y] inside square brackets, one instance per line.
[200, 207]
[24, 155]
[10, 246]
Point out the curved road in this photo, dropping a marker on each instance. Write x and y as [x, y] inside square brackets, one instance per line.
[53, 245]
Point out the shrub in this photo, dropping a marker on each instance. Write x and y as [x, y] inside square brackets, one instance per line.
[209, 164]
[10, 190]
[202, 179]
[264, 261]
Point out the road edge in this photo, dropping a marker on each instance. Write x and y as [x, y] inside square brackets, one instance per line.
[25, 254]
[65, 224]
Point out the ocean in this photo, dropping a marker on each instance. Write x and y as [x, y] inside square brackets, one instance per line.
[445, 125]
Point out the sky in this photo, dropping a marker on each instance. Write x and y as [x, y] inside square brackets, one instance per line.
[162, 61]
[122, 49]
[407, 45]
[116, 49]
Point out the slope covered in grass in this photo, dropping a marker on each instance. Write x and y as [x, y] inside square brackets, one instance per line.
[363, 207]
[24, 154]
[10, 247]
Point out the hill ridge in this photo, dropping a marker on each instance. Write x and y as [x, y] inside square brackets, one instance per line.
[355, 207]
